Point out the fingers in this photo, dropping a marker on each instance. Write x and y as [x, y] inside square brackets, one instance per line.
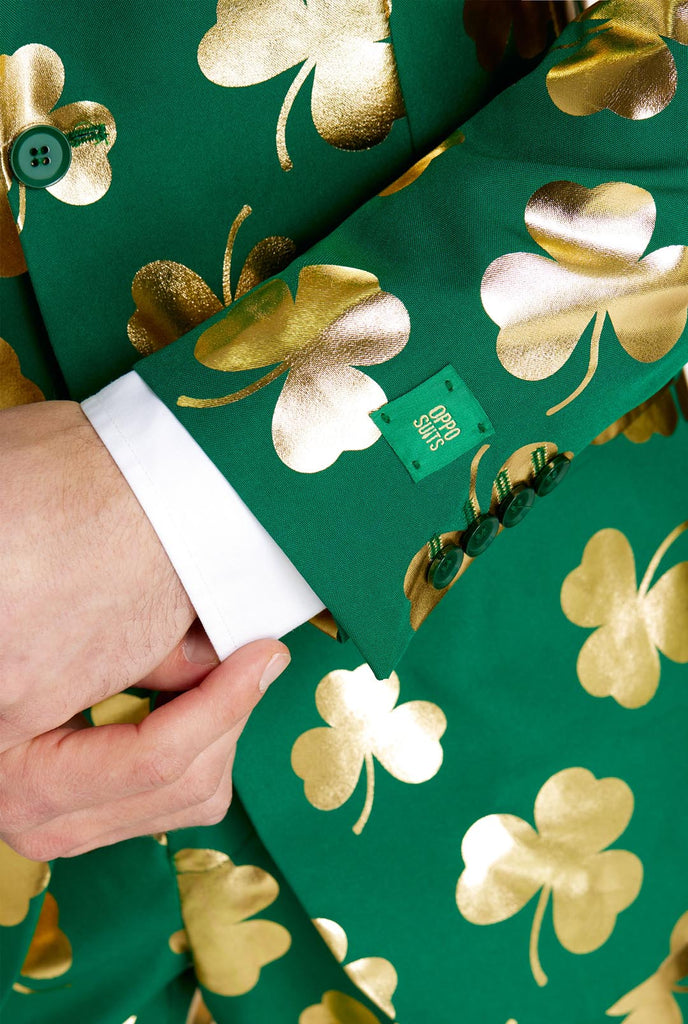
[186, 665]
[201, 797]
[80, 768]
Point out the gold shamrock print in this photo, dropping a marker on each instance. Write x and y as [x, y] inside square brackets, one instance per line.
[198, 1011]
[339, 319]
[596, 238]
[631, 622]
[31, 83]
[356, 96]
[622, 62]
[20, 881]
[337, 1008]
[414, 172]
[374, 975]
[171, 299]
[364, 725]
[654, 1002]
[565, 857]
[217, 899]
[658, 415]
[490, 23]
[15, 389]
[50, 952]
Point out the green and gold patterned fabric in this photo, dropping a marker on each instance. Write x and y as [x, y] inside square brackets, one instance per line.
[391, 266]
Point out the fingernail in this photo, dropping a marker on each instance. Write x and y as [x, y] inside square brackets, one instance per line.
[274, 668]
[197, 647]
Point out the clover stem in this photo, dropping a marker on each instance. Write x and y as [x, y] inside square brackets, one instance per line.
[472, 496]
[282, 152]
[22, 207]
[592, 365]
[243, 213]
[535, 965]
[658, 556]
[680, 989]
[236, 396]
[370, 792]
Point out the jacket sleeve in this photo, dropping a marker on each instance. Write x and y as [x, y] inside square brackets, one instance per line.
[417, 381]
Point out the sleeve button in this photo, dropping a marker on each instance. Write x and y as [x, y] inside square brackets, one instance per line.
[513, 509]
[479, 535]
[40, 156]
[444, 566]
[551, 475]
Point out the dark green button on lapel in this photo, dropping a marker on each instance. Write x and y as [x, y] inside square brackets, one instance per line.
[40, 156]
[551, 475]
[479, 535]
[444, 566]
[516, 505]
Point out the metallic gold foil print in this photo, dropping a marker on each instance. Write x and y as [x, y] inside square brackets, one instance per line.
[414, 172]
[621, 63]
[565, 858]
[121, 707]
[364, 725]
[340, 318]
[198, 1012]
[31, 83]
[50, 952]
[631, 622]
[596, 238]
[217, 899]
[20, 880]
[374, 975]
[654, 1002]
[337, 1008]
[490, 24]
[15, 389]
[658, 415]
[12, 262]
[171, 299]
[356, 96]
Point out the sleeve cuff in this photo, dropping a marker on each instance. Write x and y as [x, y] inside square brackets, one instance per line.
[241, 584]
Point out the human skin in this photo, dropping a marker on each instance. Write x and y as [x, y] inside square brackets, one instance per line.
[89, 605]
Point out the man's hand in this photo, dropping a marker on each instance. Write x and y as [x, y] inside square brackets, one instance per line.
[78, 787]
[89, 601]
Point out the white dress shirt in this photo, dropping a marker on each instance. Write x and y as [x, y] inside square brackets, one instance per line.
[241, 584]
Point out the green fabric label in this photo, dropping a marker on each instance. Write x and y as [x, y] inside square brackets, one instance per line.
[434, 424]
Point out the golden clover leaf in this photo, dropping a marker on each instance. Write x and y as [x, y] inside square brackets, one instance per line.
[356, 94]
[217, 899]
[631, 622]
[50, 952]
[508, 861]
[337, 1008]
[364, 724]
[658, 415]
[31, 83]
[198, 1012]
[15, 388]
[654, 1002]
[340, 317]
[622, 62]
[20, 881]
[414, 172]
[171, 299]
[596, 238]
[490, 23]
[374, 975]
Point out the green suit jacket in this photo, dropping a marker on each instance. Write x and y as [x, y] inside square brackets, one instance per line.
[396, 271]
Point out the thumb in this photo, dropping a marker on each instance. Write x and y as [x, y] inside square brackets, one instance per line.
[187, 664]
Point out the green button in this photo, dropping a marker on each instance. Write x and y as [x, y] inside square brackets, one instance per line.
[516, 506]
[445, 566]
[40, 156]
[479, 535]
[551, 475]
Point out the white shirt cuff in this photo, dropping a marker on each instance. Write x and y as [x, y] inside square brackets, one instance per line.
[241, 584]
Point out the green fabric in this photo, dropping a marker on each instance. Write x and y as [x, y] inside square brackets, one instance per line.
[358, 811]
